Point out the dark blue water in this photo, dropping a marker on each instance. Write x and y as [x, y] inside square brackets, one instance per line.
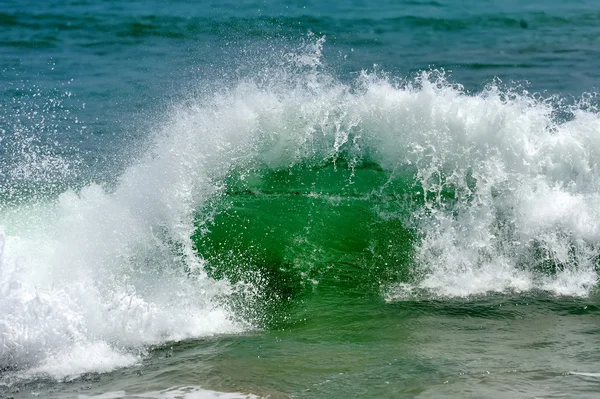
[129, 129]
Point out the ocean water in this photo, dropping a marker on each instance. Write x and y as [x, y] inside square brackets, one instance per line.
[246, 199]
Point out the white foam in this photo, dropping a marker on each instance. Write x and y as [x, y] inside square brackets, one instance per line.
[582, 374]
[536, 187]
[106, 273]
[176, 393]
[84, 358]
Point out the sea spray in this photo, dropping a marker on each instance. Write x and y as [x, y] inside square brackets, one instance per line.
[489, 192]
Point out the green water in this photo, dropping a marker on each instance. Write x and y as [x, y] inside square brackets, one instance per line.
[333, 344]
[307, 228]
[354, 345]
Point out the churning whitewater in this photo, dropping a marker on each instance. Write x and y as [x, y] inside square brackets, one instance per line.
[502, 194]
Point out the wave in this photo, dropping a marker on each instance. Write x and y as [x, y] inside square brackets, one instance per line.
[467, 194]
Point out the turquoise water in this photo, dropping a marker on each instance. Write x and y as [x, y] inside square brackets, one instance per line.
[259, 199]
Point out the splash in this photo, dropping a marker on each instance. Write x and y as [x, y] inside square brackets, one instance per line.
[501, 196]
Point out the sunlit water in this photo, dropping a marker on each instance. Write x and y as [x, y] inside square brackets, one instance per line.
[265, 200]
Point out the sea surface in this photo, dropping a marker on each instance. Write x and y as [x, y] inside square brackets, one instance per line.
[308, 199]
